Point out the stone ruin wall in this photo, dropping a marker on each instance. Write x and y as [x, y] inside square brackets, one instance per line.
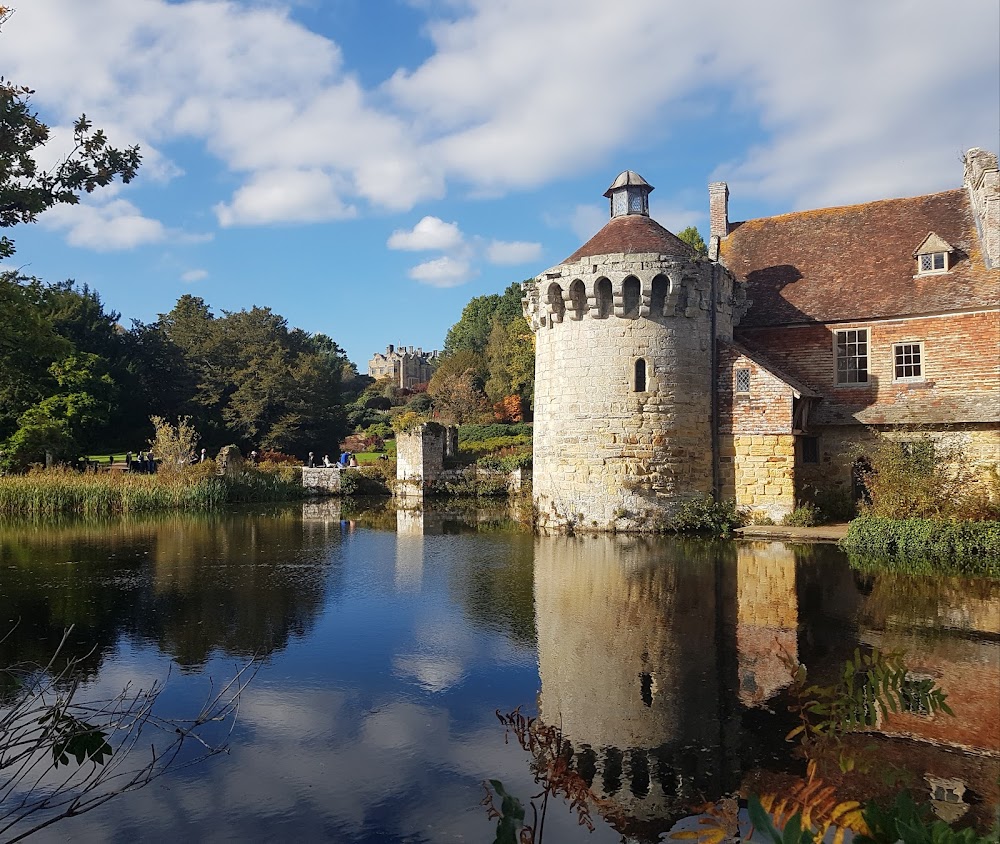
[607, 457]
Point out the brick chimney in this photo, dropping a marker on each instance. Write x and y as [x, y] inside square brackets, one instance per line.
[982, 180]
[718, 209]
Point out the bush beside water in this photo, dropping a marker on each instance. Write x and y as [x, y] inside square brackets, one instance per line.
[969, 547]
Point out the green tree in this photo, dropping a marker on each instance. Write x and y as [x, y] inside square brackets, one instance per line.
[510, 356]
[472, 331]
[25, 190]
[61, 423]
[693, 238]
[28, 346]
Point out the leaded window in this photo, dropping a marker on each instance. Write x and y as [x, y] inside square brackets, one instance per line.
[742, 380]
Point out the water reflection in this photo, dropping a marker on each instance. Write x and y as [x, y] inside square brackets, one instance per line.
[391, 637]
[239, 583]
[664, 665]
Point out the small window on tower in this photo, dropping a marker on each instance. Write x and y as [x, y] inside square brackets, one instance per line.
[742, 380]
[640, 376]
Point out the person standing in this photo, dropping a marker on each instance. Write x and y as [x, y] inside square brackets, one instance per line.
[204, 454]
[312, 461]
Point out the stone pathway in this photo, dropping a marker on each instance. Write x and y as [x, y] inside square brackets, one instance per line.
[822, 533]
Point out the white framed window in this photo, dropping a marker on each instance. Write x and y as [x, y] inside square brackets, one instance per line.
[932, 262]
[851, 352]
[742, 380]
[908, 361]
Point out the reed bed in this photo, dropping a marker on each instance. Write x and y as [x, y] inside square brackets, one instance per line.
[53, 493]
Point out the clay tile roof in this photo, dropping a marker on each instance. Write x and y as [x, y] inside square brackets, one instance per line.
[856, 262]
[758, 358]
[632, 234]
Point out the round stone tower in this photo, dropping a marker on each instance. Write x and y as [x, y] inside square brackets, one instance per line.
[624, 372]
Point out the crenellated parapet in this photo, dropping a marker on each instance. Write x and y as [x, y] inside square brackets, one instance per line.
[632, 286]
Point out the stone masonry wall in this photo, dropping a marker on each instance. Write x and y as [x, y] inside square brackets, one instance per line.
[420, 458]
[756, 446]
[758, 471]
[608, 456]
[838, 447]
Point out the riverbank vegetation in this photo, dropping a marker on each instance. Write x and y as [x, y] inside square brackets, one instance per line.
[61, 491]
[924, 505]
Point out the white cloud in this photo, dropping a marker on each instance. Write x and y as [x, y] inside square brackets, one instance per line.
[513, 252]
[192, 276]
[105, 227]
[520, 93]
[443, 272]
[676, 218]
[429, 233]
[285, 196]
[587, 220]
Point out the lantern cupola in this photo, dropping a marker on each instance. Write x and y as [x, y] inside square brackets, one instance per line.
[629, 194]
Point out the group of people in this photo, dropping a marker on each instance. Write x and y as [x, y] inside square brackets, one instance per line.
[347, 460]
[144, 462]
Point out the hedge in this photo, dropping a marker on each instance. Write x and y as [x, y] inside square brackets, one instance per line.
[970, 547]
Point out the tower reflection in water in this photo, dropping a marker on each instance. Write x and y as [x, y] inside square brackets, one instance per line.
[636, 643]
[660, 663]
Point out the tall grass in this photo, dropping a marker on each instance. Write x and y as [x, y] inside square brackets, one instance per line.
[53, 493]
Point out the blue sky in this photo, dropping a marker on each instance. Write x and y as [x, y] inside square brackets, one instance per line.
[365, 167]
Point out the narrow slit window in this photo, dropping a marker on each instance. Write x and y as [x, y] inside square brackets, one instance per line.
[604, 298]
[640, 375]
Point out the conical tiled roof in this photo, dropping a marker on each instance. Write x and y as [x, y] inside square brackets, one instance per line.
[632, 234]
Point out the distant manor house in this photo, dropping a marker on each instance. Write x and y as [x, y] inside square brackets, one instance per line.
[759, 372]
[405, 367]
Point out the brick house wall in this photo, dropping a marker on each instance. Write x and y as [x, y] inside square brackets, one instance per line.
[961, 368]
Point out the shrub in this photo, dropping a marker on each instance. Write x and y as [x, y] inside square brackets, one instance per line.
[504, 463]
[370, 479]
[973, 547]
[486, 432]
[805, 515]
[407, 421]
[706, 515]
[495, 444]
[173, 445]
[922, 478]
[279, 457]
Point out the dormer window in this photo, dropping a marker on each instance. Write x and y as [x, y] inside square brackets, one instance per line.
[933, 262]
[933, 255]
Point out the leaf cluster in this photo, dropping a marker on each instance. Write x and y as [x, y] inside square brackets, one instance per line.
[25, 190]
[871, 685]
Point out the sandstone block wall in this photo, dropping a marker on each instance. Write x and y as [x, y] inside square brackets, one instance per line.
[838, 446]
[758, 472]
[609, 456]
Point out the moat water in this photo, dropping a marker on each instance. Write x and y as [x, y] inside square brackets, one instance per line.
[388, 641]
